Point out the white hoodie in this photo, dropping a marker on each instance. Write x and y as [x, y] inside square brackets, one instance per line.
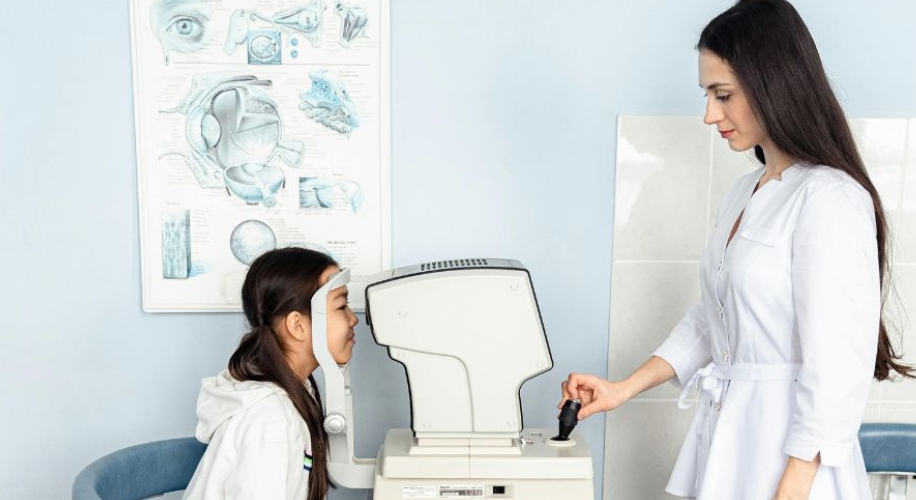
[259, 446]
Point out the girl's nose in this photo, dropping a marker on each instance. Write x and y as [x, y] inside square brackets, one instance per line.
[353, 319]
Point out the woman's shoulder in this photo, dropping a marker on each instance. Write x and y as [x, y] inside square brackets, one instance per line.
[821, 189]
[814, 180]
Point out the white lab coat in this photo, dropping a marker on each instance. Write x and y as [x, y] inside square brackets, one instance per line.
[781, 346]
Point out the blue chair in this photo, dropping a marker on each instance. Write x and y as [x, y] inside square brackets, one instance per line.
[890, 449]
[141, 471]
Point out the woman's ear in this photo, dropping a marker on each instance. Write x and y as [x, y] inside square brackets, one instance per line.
[298, 325]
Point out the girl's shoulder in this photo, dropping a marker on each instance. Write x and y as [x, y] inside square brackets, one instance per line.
[277, 402]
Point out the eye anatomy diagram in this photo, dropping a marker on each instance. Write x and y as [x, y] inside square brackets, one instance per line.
[330, 193]
[235, 131]
[264, 47]
[353, 21]
[176, 244]
[328, 102]
[250, 239]
[259, 124]
[181, 25]
[306, 20]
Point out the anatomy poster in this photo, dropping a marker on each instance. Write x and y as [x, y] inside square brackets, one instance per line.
[259, 125]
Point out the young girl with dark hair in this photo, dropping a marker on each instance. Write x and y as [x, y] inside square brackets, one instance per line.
[788, 334]
[262, 417]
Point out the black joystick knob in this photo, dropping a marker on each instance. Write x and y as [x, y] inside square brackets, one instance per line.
[568, 419]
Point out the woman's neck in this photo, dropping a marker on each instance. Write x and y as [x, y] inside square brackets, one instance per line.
[777, 162]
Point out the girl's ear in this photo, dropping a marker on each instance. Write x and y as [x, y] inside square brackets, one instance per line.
[298, 325]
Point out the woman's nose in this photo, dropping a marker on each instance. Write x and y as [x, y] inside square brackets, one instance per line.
[713, 113]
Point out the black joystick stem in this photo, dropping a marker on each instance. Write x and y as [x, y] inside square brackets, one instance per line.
[568, 419]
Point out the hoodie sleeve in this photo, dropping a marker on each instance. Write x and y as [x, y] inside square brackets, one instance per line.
[262, 464]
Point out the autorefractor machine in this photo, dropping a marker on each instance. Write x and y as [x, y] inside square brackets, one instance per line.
[469, 334]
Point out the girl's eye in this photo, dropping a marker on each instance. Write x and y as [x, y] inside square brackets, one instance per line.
[723, 98]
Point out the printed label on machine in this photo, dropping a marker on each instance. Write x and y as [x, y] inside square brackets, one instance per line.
[418, 492]
[472, 491]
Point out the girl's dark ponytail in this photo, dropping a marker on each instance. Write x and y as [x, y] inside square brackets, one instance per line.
[280, 282]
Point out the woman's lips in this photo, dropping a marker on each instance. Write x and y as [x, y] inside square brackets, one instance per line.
[726, 133]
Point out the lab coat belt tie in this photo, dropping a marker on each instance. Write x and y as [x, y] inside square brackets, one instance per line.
[710, 380]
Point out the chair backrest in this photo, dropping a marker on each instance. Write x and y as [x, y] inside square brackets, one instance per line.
[140, 471]
[889, 447]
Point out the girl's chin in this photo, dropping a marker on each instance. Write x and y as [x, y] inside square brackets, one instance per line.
[347, 354]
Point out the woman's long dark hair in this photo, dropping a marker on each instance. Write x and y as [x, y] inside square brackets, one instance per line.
[280, 282]
[775, 60]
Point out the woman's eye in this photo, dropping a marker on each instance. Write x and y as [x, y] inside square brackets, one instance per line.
[723, 98]
[186, 27]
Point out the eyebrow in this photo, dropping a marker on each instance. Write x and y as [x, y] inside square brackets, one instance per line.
[714, 86]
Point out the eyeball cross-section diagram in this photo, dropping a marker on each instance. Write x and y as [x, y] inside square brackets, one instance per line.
[264, 47]
[328, 102]
[181, 25]
[235, 133]
[250, 239]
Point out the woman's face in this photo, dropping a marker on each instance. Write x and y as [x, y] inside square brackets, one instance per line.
[727, 106]
[341, 321]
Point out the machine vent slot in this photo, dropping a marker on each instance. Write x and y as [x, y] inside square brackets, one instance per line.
[453, 264]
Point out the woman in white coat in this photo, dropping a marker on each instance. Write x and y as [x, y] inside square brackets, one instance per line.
[787, 335]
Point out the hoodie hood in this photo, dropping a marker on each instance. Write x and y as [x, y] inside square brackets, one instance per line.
[222, 397]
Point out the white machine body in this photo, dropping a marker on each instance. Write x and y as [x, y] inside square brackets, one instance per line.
[469, 334]
[468, 338]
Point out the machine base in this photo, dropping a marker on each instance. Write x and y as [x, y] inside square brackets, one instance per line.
[530, 470]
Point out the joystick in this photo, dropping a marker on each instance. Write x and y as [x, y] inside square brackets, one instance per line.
[568, 419]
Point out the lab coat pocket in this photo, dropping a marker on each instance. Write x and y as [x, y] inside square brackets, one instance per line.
[759, 262]
[763, 236]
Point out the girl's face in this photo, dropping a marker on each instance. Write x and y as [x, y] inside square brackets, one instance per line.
[341, 321]
[727, 106]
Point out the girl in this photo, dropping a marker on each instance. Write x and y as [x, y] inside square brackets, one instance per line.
[262, 418]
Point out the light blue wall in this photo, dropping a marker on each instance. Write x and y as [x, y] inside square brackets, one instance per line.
[503, 144]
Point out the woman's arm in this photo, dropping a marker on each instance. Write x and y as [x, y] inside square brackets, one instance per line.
[797, 479]
[837, 294]
[684, 352]
[598, 394]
